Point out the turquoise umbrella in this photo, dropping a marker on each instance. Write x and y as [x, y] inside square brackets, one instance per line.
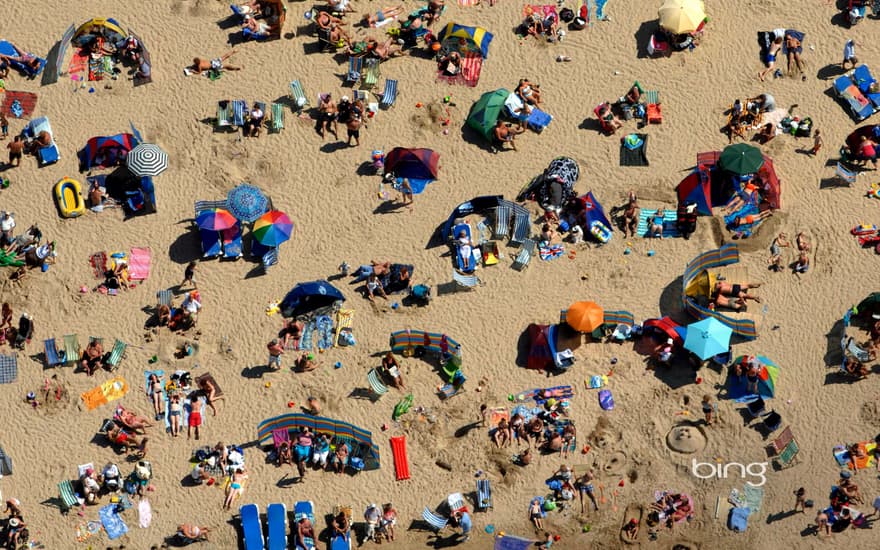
[708, 338]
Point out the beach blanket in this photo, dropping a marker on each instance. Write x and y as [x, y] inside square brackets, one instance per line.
[139, 264]
[753, 498]
[844, 459]
[558, 392]
[324, 331]
[79, 62]
[18, 104]
[744, 230]
[8, 369]
[670, 217]
[633, 150]
[344, 320]
[112, 523]
[417, 185]
[308, 333]
[145, 513]
[471, 66]
[548, 252]
[98, 261]
[110, 390]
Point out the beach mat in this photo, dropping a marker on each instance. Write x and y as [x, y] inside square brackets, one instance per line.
[401, 463]
[844, 459]
[637, 156]
[218, 392]
[145, 513]
[8, 369]
[139, 264]
[669, 225]
[110, 390]
[112, 523]
[79, 62]
[18, 104]
[324, 331]
[550, 252]
[98, 261]
[753, 497]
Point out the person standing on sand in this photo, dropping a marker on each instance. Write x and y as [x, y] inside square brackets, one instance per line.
[189, 275]
[406, 192]
[275, 352]
[801, 500]
[817, 143]
[849, 54]
[16, 148]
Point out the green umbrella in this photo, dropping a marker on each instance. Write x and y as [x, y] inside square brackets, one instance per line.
[485, 111]
[869, 303]
[741, 158]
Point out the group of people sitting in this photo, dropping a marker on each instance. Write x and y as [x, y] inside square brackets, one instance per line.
[330, 23]
[550, 430]
[183, 318]
[382, 278]
[109, 481]
[743, 116]
[23, 251]
[310, 448]
[541, 25]
[15, 336]
[840, 513]
[260, 19]
[801, 264]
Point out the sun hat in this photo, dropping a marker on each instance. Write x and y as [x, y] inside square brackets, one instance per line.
[344, 98]
[669, 341]
[14, 522]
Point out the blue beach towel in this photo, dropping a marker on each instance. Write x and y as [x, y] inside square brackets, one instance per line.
[669, 225]
[418, 185]
[305, 342]
[325, 332]
[739, 519]
[113, 524]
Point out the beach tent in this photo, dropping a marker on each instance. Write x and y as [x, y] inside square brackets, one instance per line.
[421, 164]
[593, 212]
[320, 425]
[305, 298]
[741, 159]
[668, 328]
[710, 187]
[768, 379]
[464, 40]
[696, 189]
[485, 111]
[554, 188]
[698, 282]
[540, 356]
[105, 151]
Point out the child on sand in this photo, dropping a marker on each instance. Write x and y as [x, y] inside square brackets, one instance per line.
[817, 143]
[275, 352]
[801, 500]
[189, 275]
[708, 408]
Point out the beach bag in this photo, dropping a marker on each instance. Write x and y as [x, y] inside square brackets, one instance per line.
[805, 127]
[567, 15]
[131, 486]
[739, 519]
[606, 400]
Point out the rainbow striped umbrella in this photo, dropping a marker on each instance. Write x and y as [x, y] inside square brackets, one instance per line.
[215, 219]
[768, 375]
[273, 228]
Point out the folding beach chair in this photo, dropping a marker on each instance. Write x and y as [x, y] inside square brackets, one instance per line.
[224, 114]
[276, 521]
[298, 96]
[848, 176]
[72, 349]
[771, 422]
[239, 111]
[53, 358]
[788, 455]
[277, 117]
[437, 523]
[212, 246]
[355, 69]
[376, 383]
[117, 354]
[462, 281]
[657, 47]
[371, 74]
[653, 114]
[524, 256]
[251, 528]
[781, 442]
[269, 259]
[389, 94]
[502, 221]
[484, 495]
[522, 225]
[68, 496]
[456, 503]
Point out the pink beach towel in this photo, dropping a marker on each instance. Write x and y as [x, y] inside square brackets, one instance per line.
[139, 264]
[145, 513]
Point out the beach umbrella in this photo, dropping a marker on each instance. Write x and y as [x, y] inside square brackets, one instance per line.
[147, 159]
[585, 316]
[741, 158]
[682, 16]
[215, 219]
[247, 202]
[485, 111]
[707, 338]
[273, 228]
[768, 375]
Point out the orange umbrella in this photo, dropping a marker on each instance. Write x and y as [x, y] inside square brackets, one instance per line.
[585, 316]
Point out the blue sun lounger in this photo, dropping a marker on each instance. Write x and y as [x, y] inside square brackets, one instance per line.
[304, 509]
[53, 358]
[474, 260]
[276, 518]
[860, 106]
[232, 242]
[389, 94]
[48, 154]
[484, 495]
[211, 246]
[863, 79]
[268, 255]
[251, 529]
[7, 49]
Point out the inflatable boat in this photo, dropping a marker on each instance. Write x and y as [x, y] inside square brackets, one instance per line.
[68, 195]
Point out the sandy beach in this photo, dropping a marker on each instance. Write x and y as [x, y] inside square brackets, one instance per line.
[331, 198]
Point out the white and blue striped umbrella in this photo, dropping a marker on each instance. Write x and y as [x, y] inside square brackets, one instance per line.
[147, 159]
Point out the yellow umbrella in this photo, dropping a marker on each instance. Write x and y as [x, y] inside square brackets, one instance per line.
[584, 316]
[682, 16]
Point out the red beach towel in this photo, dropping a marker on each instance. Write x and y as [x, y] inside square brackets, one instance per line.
[27, 100]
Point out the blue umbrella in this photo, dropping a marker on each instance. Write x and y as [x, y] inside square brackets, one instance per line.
[707, 338]
[246, 202]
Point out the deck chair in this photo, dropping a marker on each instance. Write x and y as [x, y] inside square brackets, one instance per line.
[376, 383]
[437, 523]
[456, 503]
[280, 436]
[847, 176]
[117, 354]
[355, 69]
[772, 421]
[251, 528]
[466, 282]
[371, 74]
[298, 95]
[68, 496]
[277, 123]
[524, 256]
[653, 114]
[164, 297]
[276, 522]
[53, 358]
[239, 111]
[781, 442]
[72, 349]
[502, 221]
[522, 227]
[658, 47]
[852, 348]
[484, 495]
[389, 93]
[224, 114]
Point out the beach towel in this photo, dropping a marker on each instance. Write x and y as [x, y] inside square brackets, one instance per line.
[344, 320]
[324, 330]
[308, 332]
[558, 392]
[669, 226]
[8, 369]
[145, 513]
[187, 408]
[98, 261]
[748, 209]
[471, 66]
[739, 519]
[753, 497]
[112, 523]
[18, 104]
[417, 185]
[844, 459]
[596, 381]
[139, 264]
[548, 252]
[79, 62]
[110, 390]
[633, 150]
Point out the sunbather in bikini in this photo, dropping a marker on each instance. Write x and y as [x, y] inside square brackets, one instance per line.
[23, 57]
[737, 291]
[132, 421]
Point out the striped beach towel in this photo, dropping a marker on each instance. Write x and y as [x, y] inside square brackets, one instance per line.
[669, 219]
[308, 333]
[139, 264]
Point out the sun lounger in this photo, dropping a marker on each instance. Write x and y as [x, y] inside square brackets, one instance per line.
[848, 91]
[276, 520]
[437, 523]
[389, 93]
[224, 114]
[502, 221]
[48, 154]
[72, 349]
[251, 528]
[533, 117]
[68, 496]
[232, 242]
[465, 281]
[846, 175]
[277, 123]
[303, 509]
[484, 495]
[211, 245]
[342, 542]
[53, 358]
[7, 49]
[116, 354]
[376, 383]
[164, 297]
[371, 74]
[524, 256]
[298, 96]
[355, 69]
[239, 111]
